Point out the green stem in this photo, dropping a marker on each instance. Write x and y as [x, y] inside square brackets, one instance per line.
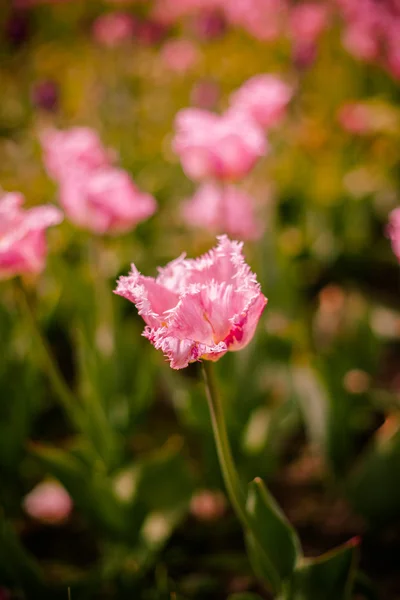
[50, 366]
[229, 473]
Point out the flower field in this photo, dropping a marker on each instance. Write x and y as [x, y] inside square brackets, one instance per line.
[199, 300]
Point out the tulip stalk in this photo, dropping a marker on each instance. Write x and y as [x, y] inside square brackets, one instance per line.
[229, 472]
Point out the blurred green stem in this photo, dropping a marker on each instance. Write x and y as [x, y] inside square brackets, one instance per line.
[48, 361]
[229, 473]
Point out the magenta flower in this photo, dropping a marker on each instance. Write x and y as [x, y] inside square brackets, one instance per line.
[224, 147]
[393, 231]
[105, 201]
[223, 209]
[78, 148]
[263, 98]
[22, 235]
[198, 308]
[48, 502]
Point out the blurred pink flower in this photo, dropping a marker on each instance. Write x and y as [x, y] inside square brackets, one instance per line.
[263, 19]
[393, 231]
[372, 31]
[205, 94]
[225, 147]
[307, 21]
[223, 209]
[170, 11]
[180, 55]
[208, 505]
[71, 150]
[113, 29]
[209, 24]
[105, 201]
[48, 502]
[150, 32]
[198, 308]
[23, 247]
[263, 98]
[355, 117]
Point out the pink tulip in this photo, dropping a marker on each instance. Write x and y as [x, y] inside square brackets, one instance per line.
[393, 231]
[48, 502]
[105, 201]
[223, 209]
[180, 55]
[307, 21]
[113, 29]
[78, 148]
[200, 308]
[224, 147]
[263, 98]
[22, 235]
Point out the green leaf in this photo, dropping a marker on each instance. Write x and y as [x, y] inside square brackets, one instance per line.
[373, 485]
[17, 567]
[329, 576]
[279, 541]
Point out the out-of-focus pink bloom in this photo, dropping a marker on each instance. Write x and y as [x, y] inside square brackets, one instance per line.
[210, 25]
[180, 55]
[393, 231]
[208, 505]
[223, 209]
[105, 201]
[263, 98]
[307, 21]
[23, 247]
[72, 150]
[205, 94]
[150, 32]
[48, 502]
[170, 11]
[262, 19]
[372, 31]
[198, 308]
[355, 117]
[225, 147]
[113, 29]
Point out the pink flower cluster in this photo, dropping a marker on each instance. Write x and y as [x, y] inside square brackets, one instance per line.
[116, 28]
[94, 194]
[372, 31]
[23, 247]
[225, 148]
[263, 19]
[198, 308]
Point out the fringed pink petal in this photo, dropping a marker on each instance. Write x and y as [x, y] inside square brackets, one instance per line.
[150, 298]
